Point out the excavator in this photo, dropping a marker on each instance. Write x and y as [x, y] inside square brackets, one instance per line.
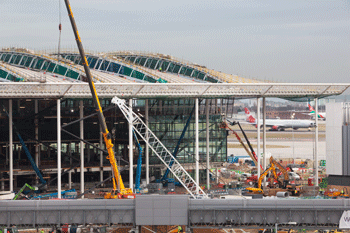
[284, 185]
[119, 191]
[258, 189]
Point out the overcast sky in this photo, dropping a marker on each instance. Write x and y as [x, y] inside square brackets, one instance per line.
[281, 40]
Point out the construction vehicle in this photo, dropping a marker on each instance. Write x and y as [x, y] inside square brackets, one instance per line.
[284, 185]
[158, 148]
[258, 189]
[119, 190]
[139, 164]
[251, 153]
[52, 195]
[23, 188]
[284, 172]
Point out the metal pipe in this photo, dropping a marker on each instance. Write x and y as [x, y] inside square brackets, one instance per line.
[131, 157]
[197, 145]
[81, 113]
[147, 138]
[258, 135]
[11, 144]
[59, 148]
[282, 194]
[207, 140]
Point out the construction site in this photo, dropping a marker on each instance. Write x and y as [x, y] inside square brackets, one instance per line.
[144, 142]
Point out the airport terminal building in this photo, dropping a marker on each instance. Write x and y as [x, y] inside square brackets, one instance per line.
[177, 99]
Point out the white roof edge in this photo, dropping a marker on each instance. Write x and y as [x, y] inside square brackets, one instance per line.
[171, 90]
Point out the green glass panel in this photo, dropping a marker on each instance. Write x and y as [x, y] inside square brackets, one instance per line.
[209, 79]
[165, 65]
[138, 60]
[13, 58]
[195, 73]
[153, 63]
[46, 64]
[176, 69]
[98, 64]
[17, 59]
[138, 75]
[183, 70]
[51, 67]
[7, 58]
[127, 71]
[142, 61]
[60, 70]
[148, 63]
[171, 67]
[39, 64]
[201, 75]
[24, 60]
[28, 61]
[188, 71]
[104, 65]
[72, 74]
[149, 79]
[35, 60]
[3, 74]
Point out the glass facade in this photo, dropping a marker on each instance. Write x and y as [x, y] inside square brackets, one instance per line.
[168, 119]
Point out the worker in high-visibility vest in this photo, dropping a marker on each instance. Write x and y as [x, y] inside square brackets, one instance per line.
[179, 229]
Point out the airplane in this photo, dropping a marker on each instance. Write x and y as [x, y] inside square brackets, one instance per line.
[321, 115]
[280, 125]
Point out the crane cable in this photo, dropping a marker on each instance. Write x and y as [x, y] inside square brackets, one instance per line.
[60, 29]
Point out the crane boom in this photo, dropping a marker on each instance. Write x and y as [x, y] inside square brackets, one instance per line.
[106, 135]
[160, 150]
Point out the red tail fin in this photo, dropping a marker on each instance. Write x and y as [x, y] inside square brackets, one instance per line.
[311, 108]
[250, 118]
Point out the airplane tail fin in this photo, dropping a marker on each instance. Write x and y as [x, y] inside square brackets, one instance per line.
[311, 109]
[250, 117]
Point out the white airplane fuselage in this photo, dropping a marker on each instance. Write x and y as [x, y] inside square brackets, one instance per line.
[277, 124]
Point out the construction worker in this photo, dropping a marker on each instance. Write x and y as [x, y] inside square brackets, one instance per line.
[179, 229]
[42, 231]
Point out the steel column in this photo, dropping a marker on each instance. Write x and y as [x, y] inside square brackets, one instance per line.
[101, 156]
[316, 142]
[58, 148]
[207, 140]
[264, 137]
[258, 134]
[131, 158]
[81, 113]
[11, 145]
[197, 145]
[147, 138]
[36, 123]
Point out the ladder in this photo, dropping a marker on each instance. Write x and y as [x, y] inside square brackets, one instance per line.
[160, 150]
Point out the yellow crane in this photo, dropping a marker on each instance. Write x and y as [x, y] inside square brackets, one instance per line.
[119, 190]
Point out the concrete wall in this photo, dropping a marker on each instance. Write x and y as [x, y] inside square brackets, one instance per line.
[334, 122]
[338, 138]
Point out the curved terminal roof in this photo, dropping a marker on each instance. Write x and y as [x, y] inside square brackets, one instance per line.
[134, 75]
